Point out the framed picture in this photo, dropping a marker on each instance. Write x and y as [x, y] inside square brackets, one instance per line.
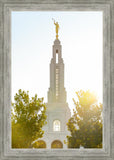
[37, 40]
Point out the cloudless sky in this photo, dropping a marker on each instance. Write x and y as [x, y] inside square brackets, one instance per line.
[81, 36]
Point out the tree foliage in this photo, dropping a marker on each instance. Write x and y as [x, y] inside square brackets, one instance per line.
[39, 144]
[27, 117]
[85, 125]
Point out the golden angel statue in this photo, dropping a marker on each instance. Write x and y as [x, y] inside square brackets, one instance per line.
[57, 28]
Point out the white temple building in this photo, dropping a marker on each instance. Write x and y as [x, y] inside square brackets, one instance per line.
[58, 112]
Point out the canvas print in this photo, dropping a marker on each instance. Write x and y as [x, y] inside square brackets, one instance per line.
[57, 79]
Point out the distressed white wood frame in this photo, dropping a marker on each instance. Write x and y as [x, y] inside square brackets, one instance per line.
[107, 7]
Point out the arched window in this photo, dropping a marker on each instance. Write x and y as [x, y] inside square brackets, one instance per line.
[56, 125]
[56, 144]
[57, 58]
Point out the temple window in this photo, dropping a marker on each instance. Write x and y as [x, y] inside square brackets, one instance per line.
[56, 125]
[57, 58]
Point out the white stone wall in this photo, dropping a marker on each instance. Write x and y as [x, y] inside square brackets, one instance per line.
[56, 111]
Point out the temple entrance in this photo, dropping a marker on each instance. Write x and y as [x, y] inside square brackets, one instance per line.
[56, 144]
[39, 144]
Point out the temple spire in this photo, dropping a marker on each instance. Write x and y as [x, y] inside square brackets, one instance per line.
[57, 92]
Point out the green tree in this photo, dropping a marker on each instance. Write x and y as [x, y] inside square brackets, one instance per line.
[85, 125]
[27, 117]
[39, 144]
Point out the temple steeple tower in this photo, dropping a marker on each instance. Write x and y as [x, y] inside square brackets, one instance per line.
[57, 91]
[58, 112]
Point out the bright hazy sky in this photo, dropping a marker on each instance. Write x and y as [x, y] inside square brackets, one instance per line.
[81, 36]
